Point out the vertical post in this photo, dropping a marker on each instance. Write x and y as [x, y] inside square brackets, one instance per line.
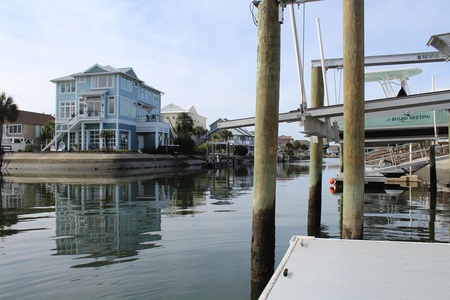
[448, 145]
[266, 135]
[433, 177]
[316, 158]
[353, 62]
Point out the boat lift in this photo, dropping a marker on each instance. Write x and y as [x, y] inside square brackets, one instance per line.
[323, 122]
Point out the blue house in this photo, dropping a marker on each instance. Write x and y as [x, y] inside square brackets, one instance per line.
[104, 98]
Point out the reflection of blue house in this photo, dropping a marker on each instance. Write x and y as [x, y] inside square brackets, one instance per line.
[104, 98]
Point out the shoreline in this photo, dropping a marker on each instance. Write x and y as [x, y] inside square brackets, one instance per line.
[76, 164]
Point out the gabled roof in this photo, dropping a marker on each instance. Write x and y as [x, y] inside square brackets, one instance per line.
[95, 69]
[285, 138]
[32, 118]
[193, 110]
[172, 109]
[129, 72]
[99, 69]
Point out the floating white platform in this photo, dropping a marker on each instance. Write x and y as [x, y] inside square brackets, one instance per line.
[357, 269]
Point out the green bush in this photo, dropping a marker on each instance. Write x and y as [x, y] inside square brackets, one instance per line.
[202, 148]
[241, 150]
[31, 148]
[185, 142]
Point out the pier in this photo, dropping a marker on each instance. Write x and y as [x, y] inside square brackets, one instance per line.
[315, 268]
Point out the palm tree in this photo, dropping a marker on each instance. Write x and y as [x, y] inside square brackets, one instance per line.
[199, 131]
[184, 126]
[8, 113]
[225, 135]
[107, 135]
[215, 137]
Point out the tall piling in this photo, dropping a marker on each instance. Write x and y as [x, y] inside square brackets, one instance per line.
[316, 159]
[433, 175]
[353, 64]
[266, 144]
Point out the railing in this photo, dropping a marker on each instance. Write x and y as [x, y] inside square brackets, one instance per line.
[397, 155]
[150, 118]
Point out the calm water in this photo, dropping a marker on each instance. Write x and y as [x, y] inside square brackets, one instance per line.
[183, 236]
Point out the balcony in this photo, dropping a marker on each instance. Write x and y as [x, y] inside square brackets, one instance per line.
[151, 124]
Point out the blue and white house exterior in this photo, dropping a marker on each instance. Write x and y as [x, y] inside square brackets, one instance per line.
[104, 98]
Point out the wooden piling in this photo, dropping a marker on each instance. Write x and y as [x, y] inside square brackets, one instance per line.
[266, 144]
[316, 159]
[353, 64]
[433, 194]
[433, 176]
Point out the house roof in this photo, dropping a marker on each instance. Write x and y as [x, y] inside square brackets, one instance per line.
[172, 109]
[285, 138]
[32, 118]
[99, 69]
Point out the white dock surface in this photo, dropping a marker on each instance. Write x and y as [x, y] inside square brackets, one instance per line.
[359, 269]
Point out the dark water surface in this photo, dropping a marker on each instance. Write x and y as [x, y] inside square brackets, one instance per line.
[180, 236]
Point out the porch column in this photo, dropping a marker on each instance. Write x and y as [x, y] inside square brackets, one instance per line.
[102, 143]
[117, 137]
[156, 137]
[83, 137]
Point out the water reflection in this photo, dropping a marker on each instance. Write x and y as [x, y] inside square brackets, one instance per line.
[20, 202]
[408, 216]
[109, 223]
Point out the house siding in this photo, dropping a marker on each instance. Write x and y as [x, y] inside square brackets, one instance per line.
[134, 103]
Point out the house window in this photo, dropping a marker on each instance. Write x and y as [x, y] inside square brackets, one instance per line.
[15, 129]
[67, 109]
[155, 98]
[67, 87]
[126, 84]
[94, 139]
[102, 81]
[82, 79]
[81, 106]
[94, 108]
[124, 139]
[111, 105]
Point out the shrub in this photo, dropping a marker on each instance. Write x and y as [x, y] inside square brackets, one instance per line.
[241, 150]
[185, 142]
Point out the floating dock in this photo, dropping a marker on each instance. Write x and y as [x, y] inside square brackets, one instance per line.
[314, 268]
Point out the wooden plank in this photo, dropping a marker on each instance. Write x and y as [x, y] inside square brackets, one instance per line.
[359, 269]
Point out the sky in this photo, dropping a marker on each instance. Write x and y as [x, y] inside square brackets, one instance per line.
[201, 53]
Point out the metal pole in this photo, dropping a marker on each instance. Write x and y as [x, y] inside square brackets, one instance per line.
[322, 59]
[353, 215]
[316, 158]
[298, 57]
[266, 142]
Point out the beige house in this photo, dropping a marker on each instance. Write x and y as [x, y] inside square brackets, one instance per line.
[170, 113]
[27, 129]
[284, 139]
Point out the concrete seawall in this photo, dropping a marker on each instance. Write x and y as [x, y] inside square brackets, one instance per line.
[93, 164]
